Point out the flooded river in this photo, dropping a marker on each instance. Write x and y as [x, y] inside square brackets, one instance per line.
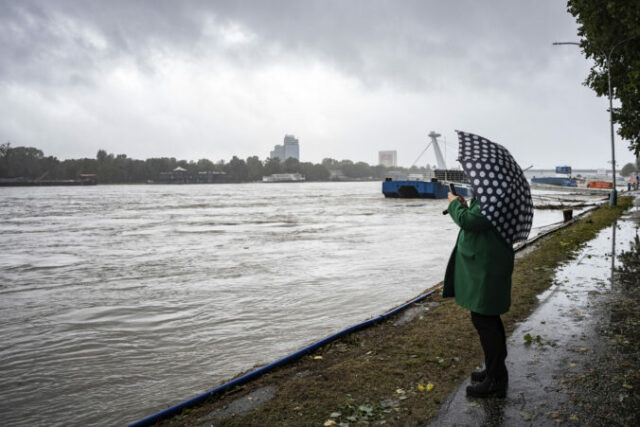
[119, 301]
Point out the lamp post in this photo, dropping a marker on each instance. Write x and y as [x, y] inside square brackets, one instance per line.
[613, 197]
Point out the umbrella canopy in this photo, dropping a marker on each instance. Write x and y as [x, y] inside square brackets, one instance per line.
[499, 185]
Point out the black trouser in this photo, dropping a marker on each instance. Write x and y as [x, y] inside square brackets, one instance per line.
[494, 345]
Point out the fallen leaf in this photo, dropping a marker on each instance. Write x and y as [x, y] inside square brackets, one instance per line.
[627, 386]
[317, 357]
[400, 391]
[430, 387]
[526, 415]
[329, 423]
[574, 417]
[335, 415]
[421, 387]
[366, 408]
[573, 365]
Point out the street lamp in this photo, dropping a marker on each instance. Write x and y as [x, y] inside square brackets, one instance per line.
[613, 197]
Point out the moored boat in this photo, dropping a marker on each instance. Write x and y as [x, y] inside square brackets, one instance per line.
[284, 177]
[562, 178]
[433, 186]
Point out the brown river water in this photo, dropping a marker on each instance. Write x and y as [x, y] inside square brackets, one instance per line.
[119, 301]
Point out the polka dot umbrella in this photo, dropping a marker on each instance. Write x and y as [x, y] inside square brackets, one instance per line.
[499, 185]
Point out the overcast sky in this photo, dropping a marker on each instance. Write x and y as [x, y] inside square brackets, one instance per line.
[213, 79]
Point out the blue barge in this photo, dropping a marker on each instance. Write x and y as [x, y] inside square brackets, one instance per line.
[421, 189]
[562, 178]
[434, 185]
[555, 180]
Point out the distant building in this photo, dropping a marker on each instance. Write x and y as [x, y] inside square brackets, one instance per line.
[388, 158]
[290, 148]
[277, 153]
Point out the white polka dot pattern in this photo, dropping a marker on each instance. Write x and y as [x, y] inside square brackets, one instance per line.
[499, 185]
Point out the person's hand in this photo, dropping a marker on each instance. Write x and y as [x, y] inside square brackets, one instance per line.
[453, 197]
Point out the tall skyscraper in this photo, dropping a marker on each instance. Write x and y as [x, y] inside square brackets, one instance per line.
[290, 148]
[388, 158]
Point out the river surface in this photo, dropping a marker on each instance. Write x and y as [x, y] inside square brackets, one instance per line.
[119, 301]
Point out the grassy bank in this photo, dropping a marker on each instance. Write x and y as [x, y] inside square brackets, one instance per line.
[398, 371]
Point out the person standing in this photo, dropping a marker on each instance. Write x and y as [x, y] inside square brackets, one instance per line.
[478, 276]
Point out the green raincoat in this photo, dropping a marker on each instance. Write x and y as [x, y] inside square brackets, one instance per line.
[480, 267]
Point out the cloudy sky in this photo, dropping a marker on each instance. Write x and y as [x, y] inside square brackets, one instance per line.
[213, 79]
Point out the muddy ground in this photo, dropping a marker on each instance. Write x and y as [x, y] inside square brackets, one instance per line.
[400, 372]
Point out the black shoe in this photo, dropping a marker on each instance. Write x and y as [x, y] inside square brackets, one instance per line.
[478, 376]
[488, 388]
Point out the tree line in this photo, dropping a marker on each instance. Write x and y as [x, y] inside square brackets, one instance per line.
[31, 163]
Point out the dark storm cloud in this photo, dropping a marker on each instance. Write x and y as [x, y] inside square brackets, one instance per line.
[410, 44]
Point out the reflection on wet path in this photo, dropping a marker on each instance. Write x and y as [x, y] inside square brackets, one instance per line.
[564, 335]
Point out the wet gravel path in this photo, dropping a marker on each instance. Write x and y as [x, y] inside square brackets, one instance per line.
[576, 359]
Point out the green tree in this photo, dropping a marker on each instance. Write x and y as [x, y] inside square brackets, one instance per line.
[314, 172]
[23, 162]
[101, 156]
[628, 169]
[379, 171]
[330, 163]
[237, 170]
[611, 28]
[4, 164]
[254, 168]
[291, 165]
[357, 170]
[272, 165]
[205, 165]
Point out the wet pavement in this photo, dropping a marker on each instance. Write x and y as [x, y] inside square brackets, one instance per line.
[558, 340]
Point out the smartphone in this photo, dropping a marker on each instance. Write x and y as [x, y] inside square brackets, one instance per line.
[452, 190]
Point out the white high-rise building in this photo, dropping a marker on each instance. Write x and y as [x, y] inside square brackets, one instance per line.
[290, 148]
[388, 158]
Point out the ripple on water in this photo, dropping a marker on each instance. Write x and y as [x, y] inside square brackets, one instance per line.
[117, 301]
